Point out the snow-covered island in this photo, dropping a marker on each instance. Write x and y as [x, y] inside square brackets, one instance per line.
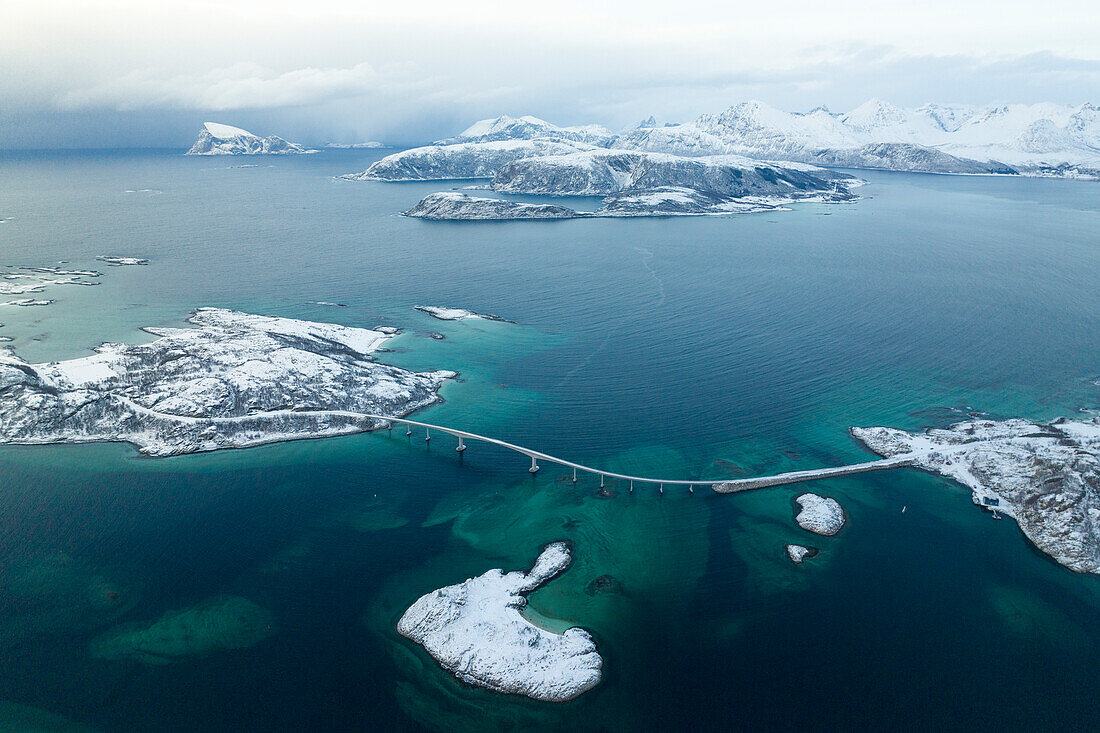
[640, 184]
[798, 553]
[820, 515]
[1016, 139]
[368, 145]
[116, 261]
[456, 314]
[477, 631]
[23, 280]
[1044, 475]
[533, 157]
[29, 302]
[232, 380]
[454, 206]
[218, 139]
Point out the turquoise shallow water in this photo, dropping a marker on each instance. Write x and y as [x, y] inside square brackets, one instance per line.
[698, 347]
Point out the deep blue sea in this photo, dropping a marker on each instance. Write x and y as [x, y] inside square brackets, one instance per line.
[695, 347]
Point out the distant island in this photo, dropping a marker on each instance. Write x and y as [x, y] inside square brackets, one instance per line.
[218, 139]
[369, 145]
[751, 157]
[630, 182]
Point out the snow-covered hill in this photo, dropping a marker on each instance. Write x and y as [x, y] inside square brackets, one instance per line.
[529, 128]
[607, 172]
[460, 160]
[218, 139]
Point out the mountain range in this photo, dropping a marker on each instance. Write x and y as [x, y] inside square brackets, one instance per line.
[1037, 139]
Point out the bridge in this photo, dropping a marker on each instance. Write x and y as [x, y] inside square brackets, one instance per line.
[722, 486]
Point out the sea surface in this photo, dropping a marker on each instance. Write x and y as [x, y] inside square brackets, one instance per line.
[679, 347]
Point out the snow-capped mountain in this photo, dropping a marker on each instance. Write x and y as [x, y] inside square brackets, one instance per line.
[218, 139]
[529, 128]
[1037, 139]
[755, 126]
[725, 162]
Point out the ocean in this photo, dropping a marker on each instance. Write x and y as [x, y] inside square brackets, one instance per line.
[698, 347]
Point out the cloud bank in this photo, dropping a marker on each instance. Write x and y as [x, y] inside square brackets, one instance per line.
[129, 73]
[243, 86]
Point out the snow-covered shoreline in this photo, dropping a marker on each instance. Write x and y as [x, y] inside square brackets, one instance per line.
[476, 630]
[233, 380]
[1044, 475]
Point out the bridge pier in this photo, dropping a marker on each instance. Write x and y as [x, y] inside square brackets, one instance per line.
[721, 487]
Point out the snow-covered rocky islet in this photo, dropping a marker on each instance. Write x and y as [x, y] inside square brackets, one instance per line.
[476, 630]
[218, 139]
[799, 553]
[25, 279]
[819, 514]
[456, 314]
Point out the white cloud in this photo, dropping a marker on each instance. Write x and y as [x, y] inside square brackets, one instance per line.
[239, 87]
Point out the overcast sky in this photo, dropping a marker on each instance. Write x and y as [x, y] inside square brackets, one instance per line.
[80, 73]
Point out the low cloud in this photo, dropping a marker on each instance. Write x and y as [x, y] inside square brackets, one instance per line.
[407, 102]
[239, 87]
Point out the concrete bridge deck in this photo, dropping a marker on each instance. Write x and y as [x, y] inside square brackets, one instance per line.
[722, 486]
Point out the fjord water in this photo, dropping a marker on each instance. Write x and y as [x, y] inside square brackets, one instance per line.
[693, 347]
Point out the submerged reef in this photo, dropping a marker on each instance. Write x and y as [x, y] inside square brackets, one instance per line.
[216, 624]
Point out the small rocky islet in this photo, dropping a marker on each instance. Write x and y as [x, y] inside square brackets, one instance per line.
[476, 631]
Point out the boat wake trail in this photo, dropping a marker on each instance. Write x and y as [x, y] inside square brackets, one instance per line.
[647, 257]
